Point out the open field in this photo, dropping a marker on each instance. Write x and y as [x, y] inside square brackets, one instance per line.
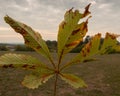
[102, 78]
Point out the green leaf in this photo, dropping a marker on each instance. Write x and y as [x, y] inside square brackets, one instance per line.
[116, 48]
[32, 38]
[113, 49]
[21, 61]
[41, 72]
[109, 41]
[89, 50]
[73, 80]
[34, 81]
[71, 33]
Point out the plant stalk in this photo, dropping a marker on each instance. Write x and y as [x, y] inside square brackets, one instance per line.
[55, 84]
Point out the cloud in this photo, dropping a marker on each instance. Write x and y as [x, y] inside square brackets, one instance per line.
[4, 28]
[48, 35]
[93, 2]
[45, 15]
[9, 36]
[105, 5]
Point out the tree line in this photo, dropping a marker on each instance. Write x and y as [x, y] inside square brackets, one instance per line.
[52, 45]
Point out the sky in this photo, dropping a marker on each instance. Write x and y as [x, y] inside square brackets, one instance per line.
[44, 16]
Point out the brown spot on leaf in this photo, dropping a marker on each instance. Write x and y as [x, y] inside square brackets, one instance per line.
[84, 27]
[72, 44]
[17, 29]
[5, 66]
[20, 30]
[25, 66]
[70, 10]
[99, 35]
[8, 66]
[88, 49]
[112, 36]
[72, 17]
[11, 66]
[107, 35]
[87, 60]
[38, 47]
[27, 41]
[32, 67]
[63, 24]
[90, 44]
[83, 53]
[23, 32]
[75, 31]
[87, 10]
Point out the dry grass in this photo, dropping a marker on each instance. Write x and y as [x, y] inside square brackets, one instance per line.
[102, 77]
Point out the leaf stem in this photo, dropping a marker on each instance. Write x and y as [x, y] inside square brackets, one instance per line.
[52, 63]
[64, 66]
[60, 58]
[55, 84]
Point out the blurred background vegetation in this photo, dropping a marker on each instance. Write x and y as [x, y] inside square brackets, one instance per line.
[52, 45]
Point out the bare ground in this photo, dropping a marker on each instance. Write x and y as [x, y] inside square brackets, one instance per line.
[102, 78]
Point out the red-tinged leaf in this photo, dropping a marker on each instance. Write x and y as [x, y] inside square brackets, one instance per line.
[89, 50]
[21, 61]
[109, 41]
[32, 38]
[70, 32]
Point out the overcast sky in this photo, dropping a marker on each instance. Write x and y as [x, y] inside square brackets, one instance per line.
[45, 16]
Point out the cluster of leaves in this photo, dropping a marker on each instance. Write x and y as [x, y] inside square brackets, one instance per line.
[70, 34]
